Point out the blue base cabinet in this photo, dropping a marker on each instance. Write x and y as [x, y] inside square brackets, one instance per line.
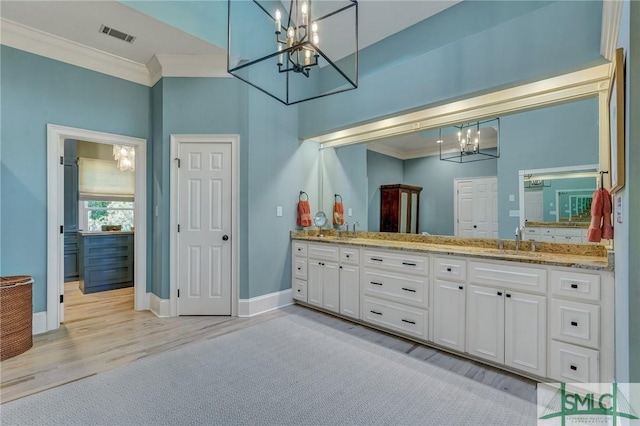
[106, 261]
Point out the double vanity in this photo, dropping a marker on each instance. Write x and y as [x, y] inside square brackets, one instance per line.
[544, 312]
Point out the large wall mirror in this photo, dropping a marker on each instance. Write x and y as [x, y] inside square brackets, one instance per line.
[564, 135]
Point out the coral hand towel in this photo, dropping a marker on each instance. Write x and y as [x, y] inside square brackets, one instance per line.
[594, 233]
[338, 214]
[304, 213]
[607, 229]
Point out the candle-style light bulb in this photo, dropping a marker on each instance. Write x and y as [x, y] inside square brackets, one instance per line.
[305, 12]
[280, 55]
[307, 57]
[278, 23]
[316, 39]
[314, 26]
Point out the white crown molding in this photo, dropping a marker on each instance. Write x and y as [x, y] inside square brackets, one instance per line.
[210, 65]
[611, 15]
[48, 45]
[31, 40]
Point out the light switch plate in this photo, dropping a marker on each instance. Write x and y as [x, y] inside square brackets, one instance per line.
[279, 211]
[350, 212]
[514, 213]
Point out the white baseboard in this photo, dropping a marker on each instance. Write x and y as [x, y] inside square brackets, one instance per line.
[158, 306]
[261, 304]
[39, 324]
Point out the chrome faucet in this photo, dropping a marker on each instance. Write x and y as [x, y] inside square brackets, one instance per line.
[354, 227]
[518, 237]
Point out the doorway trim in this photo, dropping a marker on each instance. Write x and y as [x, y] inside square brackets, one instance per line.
[234, 140]
[55, 214]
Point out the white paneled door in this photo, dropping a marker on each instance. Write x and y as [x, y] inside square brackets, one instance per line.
[477, 208]
[204, 225]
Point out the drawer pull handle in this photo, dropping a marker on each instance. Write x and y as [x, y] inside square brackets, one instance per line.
[409, 322]
[298, 290]
[299, 268]
[299, 249]
[409, 290]
[348, 256]
[448, 269]
[460, 287]
[499, 293]
[376, 259]
[573, 367]
[409, 264]
[508, 295]
[375, 283]
[574, 323]
[574, 285]
[376, 313]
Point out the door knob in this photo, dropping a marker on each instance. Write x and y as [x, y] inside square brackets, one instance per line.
[225, 237]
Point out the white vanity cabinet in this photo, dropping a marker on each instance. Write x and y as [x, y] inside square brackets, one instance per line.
[505, 324]
[332, 277]
[395, 291]
[299, 270]
[449, 302]
[581, 326]
[556, 234]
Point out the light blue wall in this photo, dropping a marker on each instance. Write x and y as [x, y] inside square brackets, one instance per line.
[436, 178]
[200, 106]
[345, 170]
[154, 269]
[547, 41]
[556, 136]
[35, 92]
[381, 170]
[580, 186]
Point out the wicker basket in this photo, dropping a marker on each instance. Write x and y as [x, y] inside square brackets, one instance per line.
[16, 313]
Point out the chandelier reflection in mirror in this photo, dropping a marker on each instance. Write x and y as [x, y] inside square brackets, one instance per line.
[125, 157]
[468, 142]
[293, 66]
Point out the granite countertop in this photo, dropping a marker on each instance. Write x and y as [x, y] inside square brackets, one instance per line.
[585, 256]
[556, 225]
[91, 233]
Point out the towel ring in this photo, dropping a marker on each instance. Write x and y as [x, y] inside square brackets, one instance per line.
[336, 196]
[300, 196]
[601, 175]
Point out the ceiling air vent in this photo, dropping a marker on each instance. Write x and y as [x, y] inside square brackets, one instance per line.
[117, 34]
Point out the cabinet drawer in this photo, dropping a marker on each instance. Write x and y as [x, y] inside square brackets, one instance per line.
[71, 241]
[567, 239]
[508, 277]
[564, 232]
[107, 261]
[300, 290]
[405, 319]
[539, 231]
[111, 251]
[349, 255]
[576, 285]
[450, 269]
[396, 261]
[107, 240]
[95, 276]
[572, 364]
[300, 268]
[323, 252]
[575, 322]
[401, 288]
[299, 249]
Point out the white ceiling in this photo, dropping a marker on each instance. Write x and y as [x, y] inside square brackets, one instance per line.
[79, 21]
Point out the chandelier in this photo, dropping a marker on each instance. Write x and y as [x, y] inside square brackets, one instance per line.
[293, 67]
[474, 141]
[125, 157]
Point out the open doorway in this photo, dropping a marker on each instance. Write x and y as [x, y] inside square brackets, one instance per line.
[59, 208]
[99, 228]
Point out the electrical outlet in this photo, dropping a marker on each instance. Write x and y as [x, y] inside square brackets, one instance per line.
[350, 212]
[279, 211]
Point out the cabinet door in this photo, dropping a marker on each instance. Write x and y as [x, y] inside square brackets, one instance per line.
[449, 315]
[525, 332]
[485, 323]
[350, 291]
[314, 289]
[331, 286]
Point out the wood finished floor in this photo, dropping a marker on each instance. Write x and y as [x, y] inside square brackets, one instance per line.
[102, 331]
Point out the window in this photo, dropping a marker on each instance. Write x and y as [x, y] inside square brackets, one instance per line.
[97, 213]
